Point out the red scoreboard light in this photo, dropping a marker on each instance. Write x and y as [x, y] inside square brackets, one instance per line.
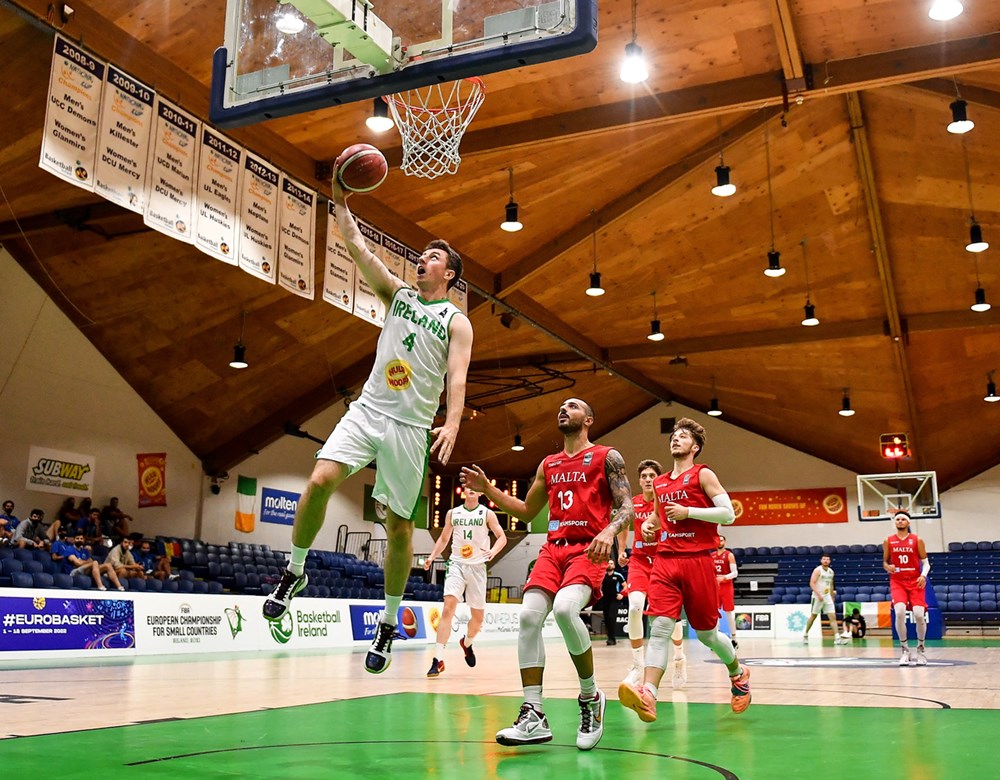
[894, 446]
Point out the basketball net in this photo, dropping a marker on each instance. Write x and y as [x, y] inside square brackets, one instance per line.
[431, 122]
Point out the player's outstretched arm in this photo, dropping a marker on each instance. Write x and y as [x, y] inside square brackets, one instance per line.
[534, 499]
[459, 355]
[383, 283]
[501, 538]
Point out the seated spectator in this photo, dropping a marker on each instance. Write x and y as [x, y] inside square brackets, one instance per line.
[67, 517]
[84, 507]
[31, 532]
[123, 562]
[122, 527]
[8, 522]
[111, 513]
[93, 529]
[76, 560]
[153, 565]
[857, 625]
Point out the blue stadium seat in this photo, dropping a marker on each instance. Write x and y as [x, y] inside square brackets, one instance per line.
[739, 552]
[239, 581]
[23, 555]
[20, 579]
[186, 575]
[987, 587]
[135, 584]
[200, 586]
[802, 598]
[988, 605]
[956, 606]
[779, 590]
[154, 586]
[64, 581]
[985, 546]
[215, 587]
[842, 549]
[815, 550]
[788, 550]
[801, 550]
[170, 586]
[40, 579]
[763, 551]
[33, 567]
[971, 587]
[970, 546]
[829, 549]
[870, 549]
[996, 545]
[954, 547]
[751, 552]
[855, 549]
[185, 586]
[214, 569]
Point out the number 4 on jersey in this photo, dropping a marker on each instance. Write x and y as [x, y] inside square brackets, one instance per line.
[409, 341]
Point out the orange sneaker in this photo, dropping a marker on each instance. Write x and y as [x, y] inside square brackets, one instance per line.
[639, 699]
[740, 690]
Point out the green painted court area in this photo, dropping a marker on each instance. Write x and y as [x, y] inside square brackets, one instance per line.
[451, 737]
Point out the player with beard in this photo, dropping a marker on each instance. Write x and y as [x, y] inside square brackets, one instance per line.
[690, 503]
[589, 503]
[907, 584]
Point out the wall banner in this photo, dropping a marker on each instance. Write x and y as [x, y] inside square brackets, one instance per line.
[789, 507]
[58, 471]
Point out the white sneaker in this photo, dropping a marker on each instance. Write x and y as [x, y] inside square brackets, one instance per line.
[921, 658]
[530, 728]
[846, 635]
[841, 640]
[634, 676]
[591, 721]
[904, 659]
[680, 677]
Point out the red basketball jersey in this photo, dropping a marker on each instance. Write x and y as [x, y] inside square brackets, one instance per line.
[904, 554]
[721, 561]
[688, 535]
[579, 495]
[643, 511]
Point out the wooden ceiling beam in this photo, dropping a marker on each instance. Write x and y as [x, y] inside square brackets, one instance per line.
[789, 51]
[866, 174]
[969, 93]
[748, 93]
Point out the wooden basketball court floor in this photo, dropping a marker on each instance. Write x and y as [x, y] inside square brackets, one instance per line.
[818, 710]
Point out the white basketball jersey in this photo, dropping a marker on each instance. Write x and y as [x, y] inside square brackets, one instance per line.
[825, 581]
[411, 359]
[470, 536]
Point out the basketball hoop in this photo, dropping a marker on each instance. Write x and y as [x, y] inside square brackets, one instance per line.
[431, 122]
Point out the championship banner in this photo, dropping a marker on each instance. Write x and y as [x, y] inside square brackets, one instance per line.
[367, 305]
[338, 275]
[56, 471]
[410, 270]
[258, 219]
[459, 295]
[394, 257]
[790, 507]
[126, 122]
[218, 191]
[170, 178]
[58, 623]
[152, 479]
[295, 238]
[69, 141]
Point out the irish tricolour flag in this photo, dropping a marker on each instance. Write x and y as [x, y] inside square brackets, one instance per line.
[246, 504]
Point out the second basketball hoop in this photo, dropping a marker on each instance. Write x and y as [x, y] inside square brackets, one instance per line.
[432, 121]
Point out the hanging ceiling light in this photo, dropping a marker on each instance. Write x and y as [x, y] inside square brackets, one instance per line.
[774, 268]
[654, 324]
[380, 121]
[713, 405]
[980, 304]
[595, 288]
[976, 243]
[723, 187]
[991, 396]
[634, 67]
[943, 10]
[960, 122]
[845, 404]
[517, 446]
[810, 311]
[510, 222]
[239, 350]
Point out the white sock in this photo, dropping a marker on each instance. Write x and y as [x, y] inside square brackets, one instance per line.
[638, 657]
[533, 696]
[391, 608]
[439, 651]
[652, 690]
[297, 564]
[588, 687]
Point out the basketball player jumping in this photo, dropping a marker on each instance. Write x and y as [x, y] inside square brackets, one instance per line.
[690, 503]
[907, 584]
[640, 564]
[589, 504]
[468, 526]
[425, 336]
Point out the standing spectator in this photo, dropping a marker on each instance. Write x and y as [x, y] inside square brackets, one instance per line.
[122, 561]
[66, 517]
[8, 522]
[122, 527]
[111, 513]
[610, 596]
[30, 533]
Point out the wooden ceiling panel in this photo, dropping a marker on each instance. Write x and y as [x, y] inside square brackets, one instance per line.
[580, 140]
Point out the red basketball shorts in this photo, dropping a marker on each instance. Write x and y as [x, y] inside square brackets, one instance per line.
[907, 592]
[727, 596]
[688, 582]
[639, 568]
[560, 565]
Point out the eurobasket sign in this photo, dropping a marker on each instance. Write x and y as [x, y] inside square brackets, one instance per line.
[789, 507]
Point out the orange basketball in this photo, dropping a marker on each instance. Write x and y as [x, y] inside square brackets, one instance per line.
[409, 622]
[361, 168]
